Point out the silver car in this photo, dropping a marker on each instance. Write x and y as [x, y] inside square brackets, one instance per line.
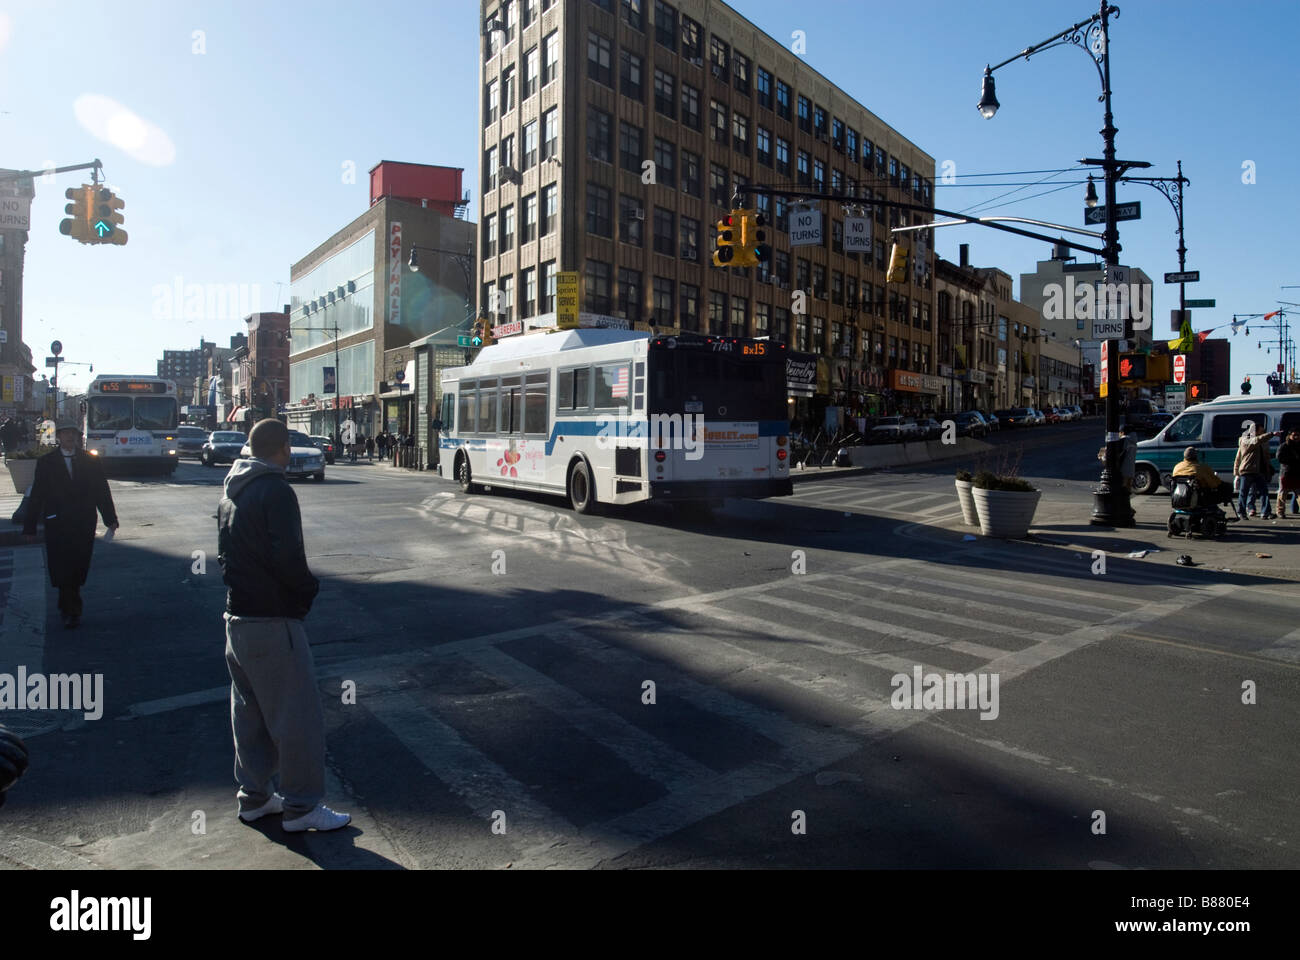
[305, 458]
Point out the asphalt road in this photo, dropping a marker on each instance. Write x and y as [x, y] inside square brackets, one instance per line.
[536, 688]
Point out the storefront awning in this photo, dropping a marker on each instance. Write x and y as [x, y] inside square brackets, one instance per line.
[237, 414]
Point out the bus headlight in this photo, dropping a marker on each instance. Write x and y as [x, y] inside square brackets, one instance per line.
[171, 452]
[93, 453]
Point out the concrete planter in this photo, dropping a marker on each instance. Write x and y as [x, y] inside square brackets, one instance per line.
[1005, 513]
[21, 472]
[968, 514]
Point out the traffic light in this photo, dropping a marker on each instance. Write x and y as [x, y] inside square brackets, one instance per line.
[897, 272]
[753, 240]
[104, 217]
[1132, 368]
[727, 230]
[476, 339]
[77, 226]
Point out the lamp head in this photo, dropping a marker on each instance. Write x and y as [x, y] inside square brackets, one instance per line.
[1090, 196]
[988, 104]
[413, 263]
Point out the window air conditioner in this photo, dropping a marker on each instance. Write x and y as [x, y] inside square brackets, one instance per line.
[352, 286]
[329, 297]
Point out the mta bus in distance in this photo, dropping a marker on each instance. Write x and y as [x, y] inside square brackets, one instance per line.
[618, 417]
[129, 423]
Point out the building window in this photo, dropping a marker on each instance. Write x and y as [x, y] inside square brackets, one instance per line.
[511, 10]
[506, 302]
[529, 232]
[803, 271]
[740, 70]
[491, 102]
[508, 228]
[819, 176]
[507, 90]
[782, 156]
[837, 288]
[528, 307]
[837, 133]
[719, 53]
[692, 42]
[688, 307]
[665, 167]
[549, 199]
[629, 294]
[867, 156]
[664, 295]
[819, 121]
[551, 133]
[489, 236]
[819, 281]
[805, 173]
[851, 145]
[629, 147]
[893, 170]
[631, 221]
[718, 122]
[783, 100]
[598, 211]
[530, 144]
[599, 135]
[805, 114]
[664, 231]
[547, 304]
[781, 265]
[532, 68]
[690, 107]
[718, 185]
[550, 57]
[691, 174]
[665, 95]
[801, 332]
[837, 236]
[764, 88]
[632, 14]
[690, 239]
[717, 313]
[599, 59]
[665, 25]
[761, 315]
[490, 169]
[739, 316]
[880, 159]
[740, 133]
[597, 286]
[781, 325]
[508, 153]
[763, 140]
[837, 181]
[630, 76]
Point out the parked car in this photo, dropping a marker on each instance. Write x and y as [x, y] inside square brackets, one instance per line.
[929, 428]
[971, 424]
[1052, 415]
[190, 441]
[991, 419]
[1148, 424]
[326, 446]
[1017, 417]
[893, 430]
[305, 458]
[222, 446]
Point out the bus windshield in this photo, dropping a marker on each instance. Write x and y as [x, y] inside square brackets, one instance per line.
[155, 413]
[108, 413]
[721, 385]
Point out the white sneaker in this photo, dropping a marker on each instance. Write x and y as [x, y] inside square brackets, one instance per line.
[273, 806]
[321, 818]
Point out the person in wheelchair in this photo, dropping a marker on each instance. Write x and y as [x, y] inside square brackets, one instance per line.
[1214, 491]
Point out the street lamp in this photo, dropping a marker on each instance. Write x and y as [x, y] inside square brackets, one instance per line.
[1111, 499]
[1090, 195]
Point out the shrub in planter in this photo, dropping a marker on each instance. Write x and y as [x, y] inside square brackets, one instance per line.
[963, 483]
[22, 469]
[1004, 505]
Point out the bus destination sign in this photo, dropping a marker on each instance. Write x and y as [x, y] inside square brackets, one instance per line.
[132, 386]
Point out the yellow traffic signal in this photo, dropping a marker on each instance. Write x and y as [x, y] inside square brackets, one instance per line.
[104, 219]
[77, 225]
[753, 248]
[897, 265]
[727, 229]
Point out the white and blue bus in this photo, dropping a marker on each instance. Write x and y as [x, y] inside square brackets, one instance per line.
[617, 417]
[130, 422]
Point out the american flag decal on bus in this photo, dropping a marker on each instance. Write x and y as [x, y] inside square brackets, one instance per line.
[619, 388]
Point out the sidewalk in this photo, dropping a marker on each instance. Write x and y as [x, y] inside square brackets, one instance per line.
[1062, 523]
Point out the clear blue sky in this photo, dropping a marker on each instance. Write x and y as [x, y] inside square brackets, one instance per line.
[261, 124]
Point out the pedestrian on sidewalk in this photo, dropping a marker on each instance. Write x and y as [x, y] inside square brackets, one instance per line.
[1288, 486]
[1251, 464]
[370, 448]
[380, 443]
[275, 709]
[67, 490]
[13, 760]
[10, 435]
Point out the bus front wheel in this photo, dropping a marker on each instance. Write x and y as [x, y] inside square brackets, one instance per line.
[582, 494]
[463, 475]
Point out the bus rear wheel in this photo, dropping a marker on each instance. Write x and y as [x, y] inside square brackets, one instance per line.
[582, 493]
[464, 477]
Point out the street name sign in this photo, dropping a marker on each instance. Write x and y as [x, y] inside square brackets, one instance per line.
[464, 340]
[1199, 303]
[1187, 276]
[1123, 211]
[566, 299]
[806, 228]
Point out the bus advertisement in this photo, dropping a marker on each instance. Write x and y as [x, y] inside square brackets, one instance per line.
[130, 423]
[619, 417]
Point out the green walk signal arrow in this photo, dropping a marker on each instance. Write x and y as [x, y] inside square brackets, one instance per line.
[102, 228]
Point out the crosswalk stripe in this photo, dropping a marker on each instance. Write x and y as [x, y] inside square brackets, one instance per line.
[1001, 610]
[883, 628]
[643, 753]
[1081, 567]
[922, 612]
[983, 586]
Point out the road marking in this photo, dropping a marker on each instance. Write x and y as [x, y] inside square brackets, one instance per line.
[147, 708]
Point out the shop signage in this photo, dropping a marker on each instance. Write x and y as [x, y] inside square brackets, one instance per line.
[395, 273]
[800, 374]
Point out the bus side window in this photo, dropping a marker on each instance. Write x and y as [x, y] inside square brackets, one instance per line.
[536, 403]
[488, 394]
[447, 408]
[468, 406]
[582, 388]
[512, 398]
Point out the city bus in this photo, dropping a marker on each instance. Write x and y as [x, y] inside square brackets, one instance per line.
[129, 423]
[618, 417]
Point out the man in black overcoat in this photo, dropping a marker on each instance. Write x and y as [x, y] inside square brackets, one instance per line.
[68, 489]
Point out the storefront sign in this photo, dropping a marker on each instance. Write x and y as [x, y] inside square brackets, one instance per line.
[566, 299]
[800, 374]
[975, 376]
[916, 382]
[395, 273]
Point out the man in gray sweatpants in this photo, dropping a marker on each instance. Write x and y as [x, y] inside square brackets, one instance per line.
[275, 709]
